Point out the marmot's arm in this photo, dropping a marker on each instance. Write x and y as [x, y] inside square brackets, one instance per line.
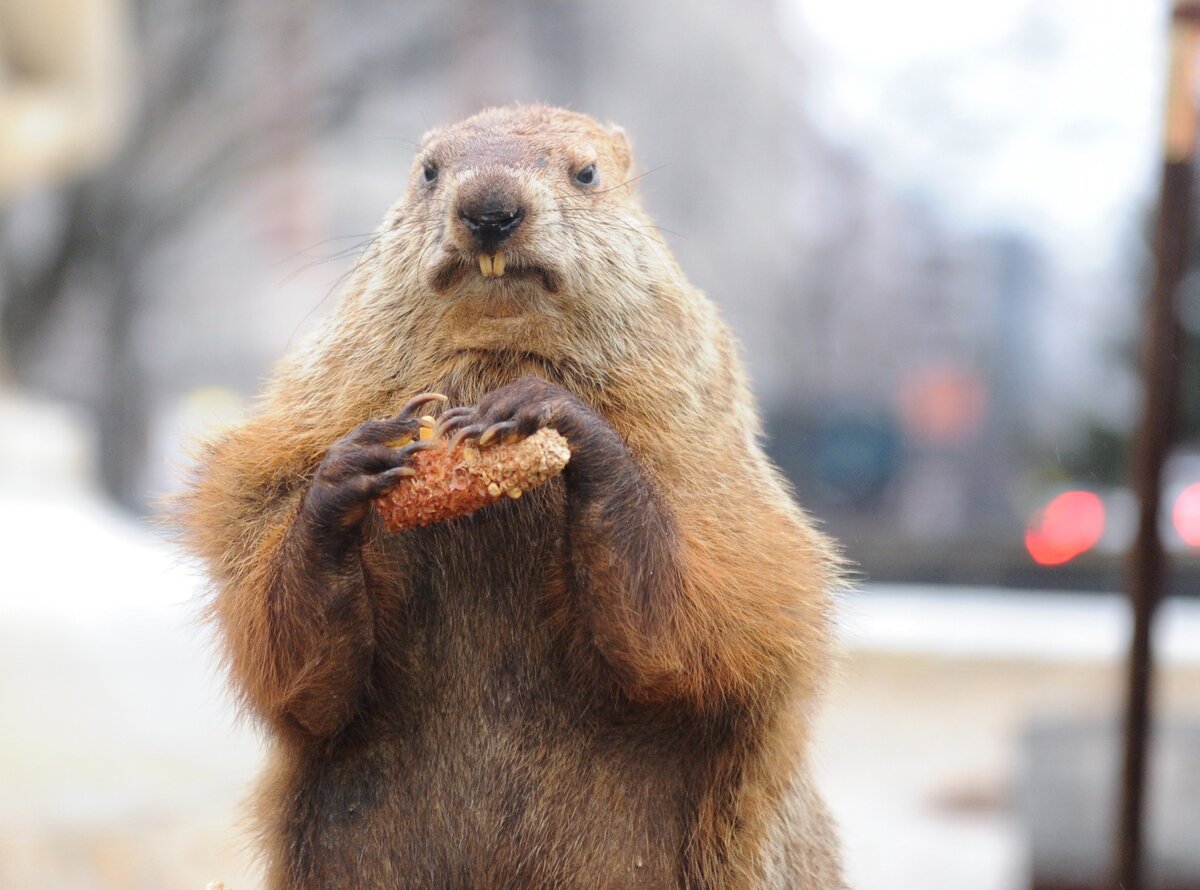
[706, 605]
[709, 601]
[293, 568]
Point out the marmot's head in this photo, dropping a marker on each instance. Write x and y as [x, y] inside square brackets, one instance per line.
[520, 230]
[513, 190]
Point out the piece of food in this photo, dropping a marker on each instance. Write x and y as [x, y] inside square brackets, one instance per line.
[449, 484]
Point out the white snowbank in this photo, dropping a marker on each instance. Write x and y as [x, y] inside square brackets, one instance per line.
[982, 622]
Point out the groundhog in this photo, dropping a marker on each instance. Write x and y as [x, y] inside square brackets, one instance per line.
[607, 683]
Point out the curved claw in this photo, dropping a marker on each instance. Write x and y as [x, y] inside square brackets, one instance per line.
[451, 420]
[503, 428]
[467, 431]
[417, 401]
[381, 483]
[376, 432]
[412, 448]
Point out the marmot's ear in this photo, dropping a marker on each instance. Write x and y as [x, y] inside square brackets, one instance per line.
[427, 138]
[621, 149]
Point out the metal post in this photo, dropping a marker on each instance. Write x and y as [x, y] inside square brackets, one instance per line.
[1160, 348]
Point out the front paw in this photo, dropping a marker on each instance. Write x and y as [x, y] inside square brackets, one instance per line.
[521, 408]
[358, 468]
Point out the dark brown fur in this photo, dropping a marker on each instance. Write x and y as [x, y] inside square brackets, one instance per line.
[604, 684]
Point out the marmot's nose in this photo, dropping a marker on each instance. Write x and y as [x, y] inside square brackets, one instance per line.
[491, 222]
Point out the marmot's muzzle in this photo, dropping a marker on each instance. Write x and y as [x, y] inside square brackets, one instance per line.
[491, 228]
[491, 210]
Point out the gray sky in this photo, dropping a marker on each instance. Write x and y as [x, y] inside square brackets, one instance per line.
[1039, 114]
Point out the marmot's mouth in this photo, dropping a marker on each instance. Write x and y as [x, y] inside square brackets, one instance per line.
[454, 268]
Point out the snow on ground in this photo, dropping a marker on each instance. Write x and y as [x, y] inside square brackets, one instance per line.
[921, 747]
[982, 622]
[120, 759]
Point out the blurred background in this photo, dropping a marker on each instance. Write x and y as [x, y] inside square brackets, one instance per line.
[929, 223]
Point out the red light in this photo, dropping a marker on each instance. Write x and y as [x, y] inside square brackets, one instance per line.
[942, 404]
[1069, 525]
[1186, 515]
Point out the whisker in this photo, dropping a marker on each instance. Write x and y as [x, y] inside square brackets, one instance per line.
[361, 247]
[600, 222]
[583, 196]
[338, 282]
[304, 250]
[409, 142]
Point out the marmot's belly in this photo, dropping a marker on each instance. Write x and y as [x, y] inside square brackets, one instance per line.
[504, 767]
[514, 807]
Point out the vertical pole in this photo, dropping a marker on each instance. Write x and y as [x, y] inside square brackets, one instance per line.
[1160, 347]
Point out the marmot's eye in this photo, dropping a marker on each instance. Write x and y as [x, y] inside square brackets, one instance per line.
[587, 176]
[431, 173]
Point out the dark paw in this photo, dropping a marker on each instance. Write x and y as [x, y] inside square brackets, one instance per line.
[523, 407]
[516, 411]
[361, 466]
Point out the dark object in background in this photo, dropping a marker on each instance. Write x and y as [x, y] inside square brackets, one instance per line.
[1162, 343]
[1068, 797]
